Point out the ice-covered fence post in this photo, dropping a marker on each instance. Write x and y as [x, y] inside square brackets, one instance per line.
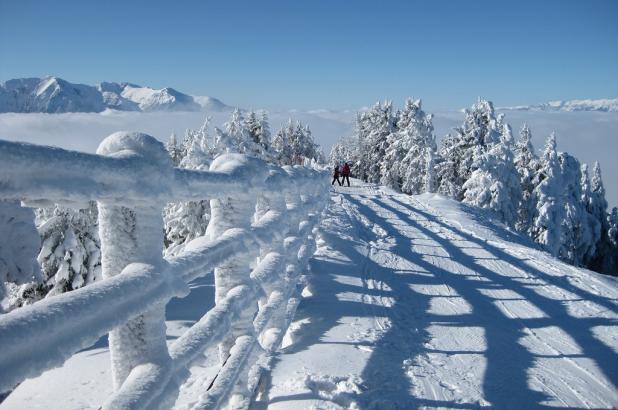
[235, 212]
[134, 233]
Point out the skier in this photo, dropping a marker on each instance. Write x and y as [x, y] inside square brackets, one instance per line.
[346, 174]
[336, 175]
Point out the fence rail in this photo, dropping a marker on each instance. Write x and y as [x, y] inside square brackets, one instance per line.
[260, 236]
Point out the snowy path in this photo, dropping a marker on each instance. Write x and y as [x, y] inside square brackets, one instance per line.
[422, 302]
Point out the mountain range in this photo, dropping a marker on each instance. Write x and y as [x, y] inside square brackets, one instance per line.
[55, 95]
[605, 105]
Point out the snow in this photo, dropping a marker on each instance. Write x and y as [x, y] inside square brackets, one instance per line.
[603, 104]
[412, 301]
[138, 282]
[210, 103]
[165, 99]
[55, 95]
[19, 244]
[422, 301]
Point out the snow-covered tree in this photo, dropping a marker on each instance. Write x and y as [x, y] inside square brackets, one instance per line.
[494, 183]
[597, 207]
[294, 145]
[430, 170]
[612, 222]
[235, 127]
[480, 130]
[174, 149]
[415, 169]
[184, 221]
[257, 131]
[374, 128]
[345, 150]
[447, 168]
[282, 143]
[526, 164]
[398, 144]
[549, 213]
[70, 255]
[19, 244]
[576, 236]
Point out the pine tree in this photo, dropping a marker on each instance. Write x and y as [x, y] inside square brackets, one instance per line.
[576, 237]
[612, 222]
[398, 144]
[345, 150]
[258, 143]
[419, 140]
[447, 169]
[374, 128]
[549, 212]
[174, 150]
[480, 130]
[235, 127]
[526, 164]
[294, 145]
[70, 255]
[19, 244]
[602, 260]
[430, 173]
[494, 183]
[590, 223]
[282, 144]
[184, 221]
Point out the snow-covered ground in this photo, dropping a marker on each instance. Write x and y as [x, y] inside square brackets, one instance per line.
[423, 302]
[85, 380]
[413, 302]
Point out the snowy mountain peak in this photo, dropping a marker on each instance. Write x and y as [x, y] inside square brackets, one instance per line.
[54, 95]
[604, 105]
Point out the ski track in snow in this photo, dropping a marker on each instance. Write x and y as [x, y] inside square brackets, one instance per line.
[421, 302]
[413, 302]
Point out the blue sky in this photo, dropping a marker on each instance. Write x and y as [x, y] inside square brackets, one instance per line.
[323, 54]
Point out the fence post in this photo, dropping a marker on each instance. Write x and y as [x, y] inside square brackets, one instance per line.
[227, 213]
[134, 234]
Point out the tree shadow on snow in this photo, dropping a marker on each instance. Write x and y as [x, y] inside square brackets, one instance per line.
[505, 383]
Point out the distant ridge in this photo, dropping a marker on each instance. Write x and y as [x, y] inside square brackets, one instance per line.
[604, 105]
[55, 95]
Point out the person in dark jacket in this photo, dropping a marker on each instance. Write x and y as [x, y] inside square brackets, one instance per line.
[336, 175]
[346, 174]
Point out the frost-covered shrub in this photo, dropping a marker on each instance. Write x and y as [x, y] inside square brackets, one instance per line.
[19, 244]
[70, 255]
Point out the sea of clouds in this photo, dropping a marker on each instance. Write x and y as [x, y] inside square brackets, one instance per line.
[590, 136]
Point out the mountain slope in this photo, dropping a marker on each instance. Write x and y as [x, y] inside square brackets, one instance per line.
[48, 95]
[423, 302]
[55, 95]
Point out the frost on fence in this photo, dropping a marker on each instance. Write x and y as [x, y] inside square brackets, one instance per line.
[258, 242]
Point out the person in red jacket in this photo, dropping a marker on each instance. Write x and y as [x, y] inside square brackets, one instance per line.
[346, 174]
